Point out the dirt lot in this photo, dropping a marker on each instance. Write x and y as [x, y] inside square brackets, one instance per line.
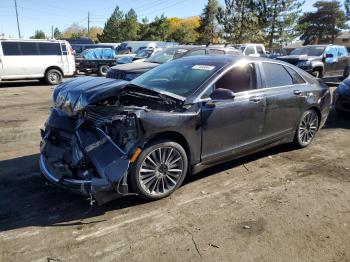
[278, 205]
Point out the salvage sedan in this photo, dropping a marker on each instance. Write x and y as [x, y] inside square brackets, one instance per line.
[107, 138]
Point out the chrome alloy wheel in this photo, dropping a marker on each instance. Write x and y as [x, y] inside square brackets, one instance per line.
[161, 171]
[308, 127]
[54, 77]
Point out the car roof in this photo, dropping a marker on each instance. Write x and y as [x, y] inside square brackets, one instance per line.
[229, 59]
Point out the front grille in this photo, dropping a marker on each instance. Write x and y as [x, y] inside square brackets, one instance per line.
[115, 74]
[102, 115]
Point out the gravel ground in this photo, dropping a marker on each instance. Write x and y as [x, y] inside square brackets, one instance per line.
[277, 205]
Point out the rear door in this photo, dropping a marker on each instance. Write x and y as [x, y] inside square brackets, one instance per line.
[284, 92]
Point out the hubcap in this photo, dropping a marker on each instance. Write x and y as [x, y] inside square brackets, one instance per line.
[54, 77]
[161, 170]
[308, 128]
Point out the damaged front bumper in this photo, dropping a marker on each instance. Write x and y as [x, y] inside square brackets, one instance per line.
[84, 160]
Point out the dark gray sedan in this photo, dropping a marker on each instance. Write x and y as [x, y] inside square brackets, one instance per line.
[107, 138]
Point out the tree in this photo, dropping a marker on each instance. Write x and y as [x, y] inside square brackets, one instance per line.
[75, 31]
[242, 20]
[323, 25]
[39, 34]
[130, 26]
[280, 17]
[207, 30]
[113, 31]
[158, 30]
[144, 29]
[183, 30]
[94, 32]
[57, 34]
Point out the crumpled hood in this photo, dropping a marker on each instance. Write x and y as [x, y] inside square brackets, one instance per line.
[76, 94]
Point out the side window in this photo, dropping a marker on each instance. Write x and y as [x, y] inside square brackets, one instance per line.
[28, 48]
[297, 79]
[238, 79]
[259, 49]
[64, 49]
[49, 49]
[10, 48]
[215, 52]
[196, 52]
[250, 50]
[276, 75]
[342, 52]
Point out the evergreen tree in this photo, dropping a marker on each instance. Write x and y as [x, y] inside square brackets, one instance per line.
[281, 17]
[158, 29]
[39, 34]
[208, 29]
[323, 25]
[130, 26]
[242, 20]
[144, 29]
[113, 31]
[57, 34]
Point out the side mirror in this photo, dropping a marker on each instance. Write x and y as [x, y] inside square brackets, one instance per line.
[222, 94]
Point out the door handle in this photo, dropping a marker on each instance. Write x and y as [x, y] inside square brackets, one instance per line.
[297, 92]
[255, 99]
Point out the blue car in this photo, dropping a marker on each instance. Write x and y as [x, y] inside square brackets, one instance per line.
[342, 97]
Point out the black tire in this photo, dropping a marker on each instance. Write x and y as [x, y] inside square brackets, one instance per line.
[317, 73]
[102, 70]
[53, 77]
[307, 128]
[159, 178]
[346, 72]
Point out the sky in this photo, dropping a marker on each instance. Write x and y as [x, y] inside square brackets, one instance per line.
[43, 14]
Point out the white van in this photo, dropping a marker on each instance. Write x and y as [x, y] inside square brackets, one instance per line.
[48, 60]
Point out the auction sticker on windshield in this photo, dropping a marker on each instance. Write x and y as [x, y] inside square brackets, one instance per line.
[203, 67]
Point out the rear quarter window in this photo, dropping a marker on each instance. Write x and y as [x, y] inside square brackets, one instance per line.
[276, 75]
[297, 79]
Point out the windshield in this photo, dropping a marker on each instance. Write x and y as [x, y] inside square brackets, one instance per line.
[178, 77]
[144, 53]
[309, 51]
[166, 55]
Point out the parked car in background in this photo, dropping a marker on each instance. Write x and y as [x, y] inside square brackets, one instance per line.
[130, 71]
[132, 47]
[320, 60]
[107, 138]
[342, 97]
[48, 60]
[79, 48]
[140, 56]
[256, 50]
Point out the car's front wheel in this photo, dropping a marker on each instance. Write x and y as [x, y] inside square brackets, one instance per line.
[103, 69]
[307, 128]
[159, 170]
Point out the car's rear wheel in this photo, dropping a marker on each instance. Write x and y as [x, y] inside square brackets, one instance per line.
[103, 69]
[307, 128]
[159, 170]
[317, 73]
[53, 77]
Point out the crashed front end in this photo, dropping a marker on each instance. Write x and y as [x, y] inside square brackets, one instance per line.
[90, 138]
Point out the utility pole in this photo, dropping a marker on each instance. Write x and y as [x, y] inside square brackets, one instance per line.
[89, 22]
[19, 31]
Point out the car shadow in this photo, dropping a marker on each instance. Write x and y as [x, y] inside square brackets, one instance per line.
[26, 83]
[28, 200]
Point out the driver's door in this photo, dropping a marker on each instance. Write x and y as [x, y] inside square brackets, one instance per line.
[232, 125]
